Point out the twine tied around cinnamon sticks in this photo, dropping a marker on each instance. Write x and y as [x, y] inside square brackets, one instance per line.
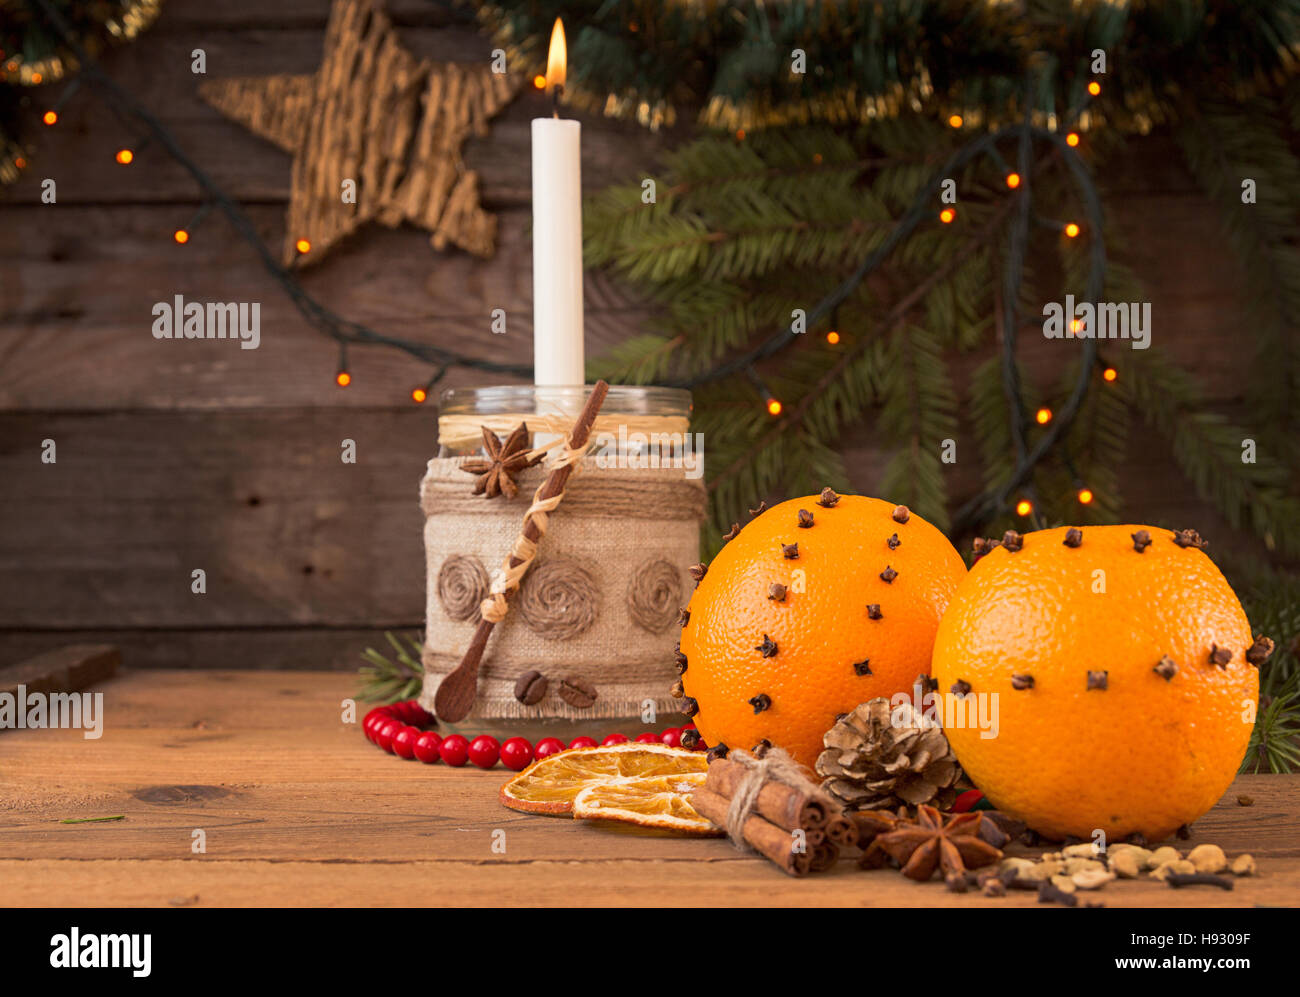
[768, 805]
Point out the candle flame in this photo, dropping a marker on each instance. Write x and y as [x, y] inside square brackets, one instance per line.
[556, 59]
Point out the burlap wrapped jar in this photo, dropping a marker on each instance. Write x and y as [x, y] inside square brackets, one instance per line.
[599, 606]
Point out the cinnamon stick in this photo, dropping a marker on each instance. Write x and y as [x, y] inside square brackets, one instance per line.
[782, 805]
[456, 692]
[841, 831]
[770, 841]
[824, 856]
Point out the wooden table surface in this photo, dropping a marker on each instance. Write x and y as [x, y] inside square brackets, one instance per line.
[297, 808]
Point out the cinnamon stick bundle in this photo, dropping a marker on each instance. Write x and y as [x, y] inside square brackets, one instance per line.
[772, 842]
[783, 805]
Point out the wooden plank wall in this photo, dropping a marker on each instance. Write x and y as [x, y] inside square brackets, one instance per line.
[175, 456]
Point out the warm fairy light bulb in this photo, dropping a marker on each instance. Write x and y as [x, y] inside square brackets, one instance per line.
[740, 134]
[955, 121]
[1024, 507]
[1094, 88]
[817, 159]
[50, 117]
[181, 236]
[20, 162]
[1072, 139]
[1075, 325]
[1043, 416]
[1071, 229]
[1013, 180]
[37, 79]
[303, 246]
[832, 337]
[1085, 496]
[539, 82]
[947, 215]
[773, 407]
[419, 395]
[343, 379]
[125, 156]
[1110, 374]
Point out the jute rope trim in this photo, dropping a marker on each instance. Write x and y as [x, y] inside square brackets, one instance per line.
[495, 607]
[457, 432]
[775, 765]
[624, 493]
[558, 600]
[654, 595]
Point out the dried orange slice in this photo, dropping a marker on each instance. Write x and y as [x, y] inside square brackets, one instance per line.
[658, 801]
[549, 786]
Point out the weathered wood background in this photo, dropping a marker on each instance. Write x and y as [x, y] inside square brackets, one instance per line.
[181, 455]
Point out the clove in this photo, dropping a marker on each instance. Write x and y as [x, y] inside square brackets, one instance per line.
[790, 551]
[683, 617]
[698, 571]
[768, 648]
[828, 498]
[873, 611]
[680, 659]
[1012, 541]
[762, 507]
[1022, 682]
[1098, 680]
[1166, 668]
[776, 591]
[1198, 879]
[716, 752]
[1189, 538]
[805, 519]
[862, 667]
[888, 575]
[1073, 537]
[1141, 540]
[1219, 655]
[961, 688]
[760, 702]
[690, 706]
[893, 542]
[732, 533]
[1259, 651]
[901, 514]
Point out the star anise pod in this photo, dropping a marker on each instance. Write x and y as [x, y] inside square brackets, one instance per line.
[496, 474]
[931, 844]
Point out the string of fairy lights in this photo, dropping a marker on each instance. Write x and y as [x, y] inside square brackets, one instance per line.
[1064, 141]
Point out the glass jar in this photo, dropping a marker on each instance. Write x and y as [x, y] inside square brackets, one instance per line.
[636, 427]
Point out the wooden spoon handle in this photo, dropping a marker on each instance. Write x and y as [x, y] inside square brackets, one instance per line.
[457, 691]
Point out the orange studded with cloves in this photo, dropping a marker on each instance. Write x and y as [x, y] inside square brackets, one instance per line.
[815, 606]
[1122, 673]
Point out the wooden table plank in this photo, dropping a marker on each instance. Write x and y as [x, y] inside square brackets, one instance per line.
[298, 809]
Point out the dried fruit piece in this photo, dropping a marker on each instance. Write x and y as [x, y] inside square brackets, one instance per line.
[656, 802]
[550, 785]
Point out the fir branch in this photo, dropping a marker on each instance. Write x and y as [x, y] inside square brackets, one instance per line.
[391, 679]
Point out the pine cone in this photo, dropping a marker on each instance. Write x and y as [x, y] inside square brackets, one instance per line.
[871, 764]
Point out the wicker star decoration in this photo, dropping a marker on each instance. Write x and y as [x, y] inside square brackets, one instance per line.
[374, 114]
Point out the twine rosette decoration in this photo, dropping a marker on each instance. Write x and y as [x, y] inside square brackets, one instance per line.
[589, 627]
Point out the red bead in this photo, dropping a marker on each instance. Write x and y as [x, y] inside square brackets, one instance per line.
[516, 753]
[371, 724]
[384, 738]
[484, 751]
[582, 742]
[615, 739]
[404, 741]
[689, 725]
[426, 747]
[454, 750]
[647, 738]
[547, 746]
[672, 737]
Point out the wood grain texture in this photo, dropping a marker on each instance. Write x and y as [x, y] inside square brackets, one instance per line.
[298, 809]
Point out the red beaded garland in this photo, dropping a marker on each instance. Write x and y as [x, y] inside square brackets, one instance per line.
[484, 751]
[397, 729]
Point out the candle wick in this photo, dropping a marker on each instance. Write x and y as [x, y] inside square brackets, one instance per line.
[555, 99]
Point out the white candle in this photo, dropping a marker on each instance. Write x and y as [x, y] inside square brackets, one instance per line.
[557, 239]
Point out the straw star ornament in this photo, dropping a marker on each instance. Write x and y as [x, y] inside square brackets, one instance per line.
[375, 115]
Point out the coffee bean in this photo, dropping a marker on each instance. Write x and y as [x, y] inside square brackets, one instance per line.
[579, 694]
[531, 687]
